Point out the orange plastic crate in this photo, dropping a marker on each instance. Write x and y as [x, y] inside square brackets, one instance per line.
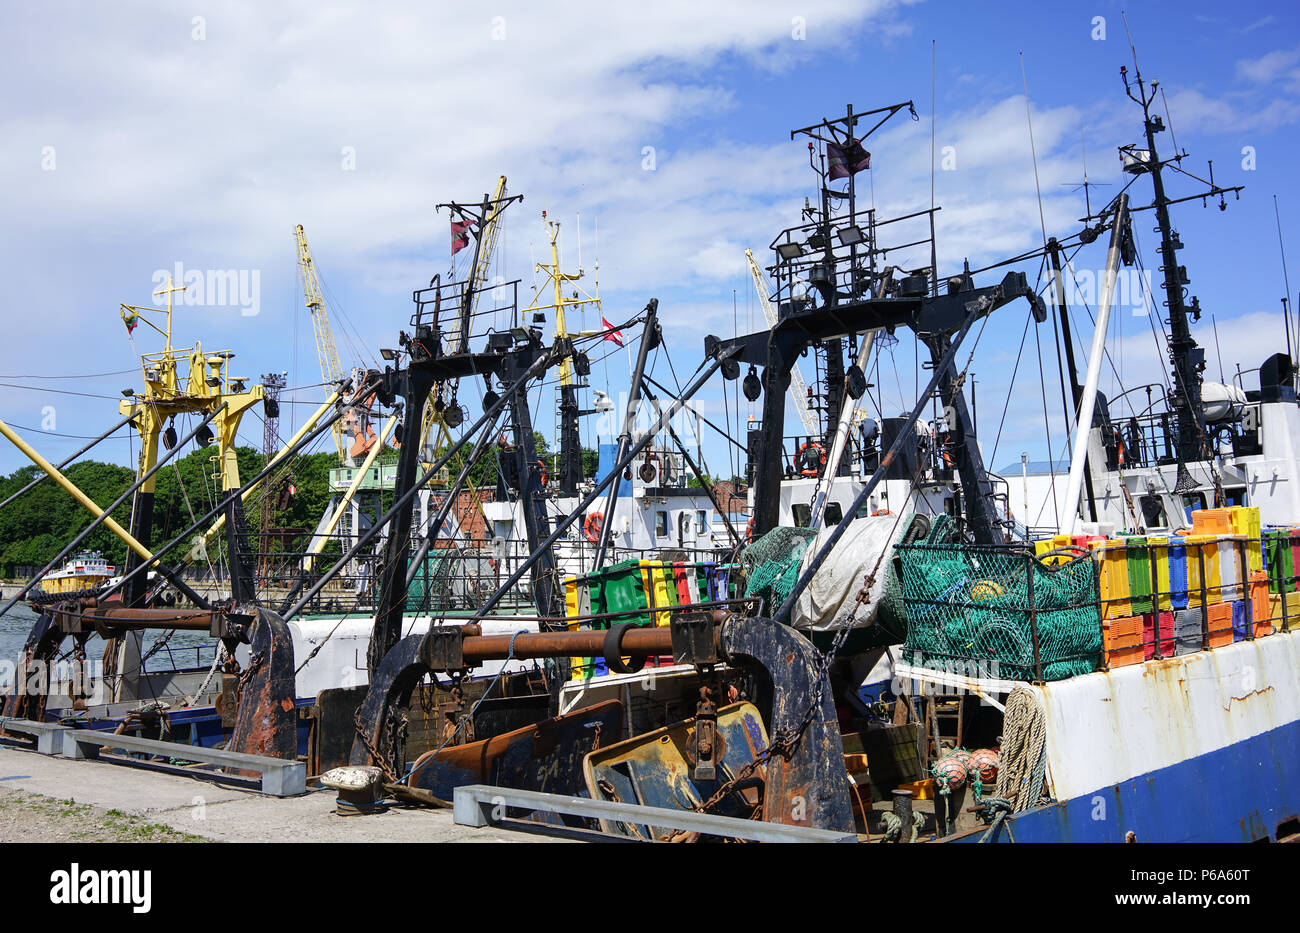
[1121, 657]
[1220, 619]
[1124, 632]
[1212, 522]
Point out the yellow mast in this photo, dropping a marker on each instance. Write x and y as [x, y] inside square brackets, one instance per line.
[557, 278]
[185, 381]
[72, 489]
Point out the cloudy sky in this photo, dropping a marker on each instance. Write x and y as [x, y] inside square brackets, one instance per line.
[139, 136]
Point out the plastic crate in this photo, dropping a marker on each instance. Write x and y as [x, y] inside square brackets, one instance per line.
[1113, 579]
[1138, 563]
[1202, 550]
[1278, 560]
[1149, 635]
[1177, 574]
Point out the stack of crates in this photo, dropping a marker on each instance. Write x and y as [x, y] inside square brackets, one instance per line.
[1255, 611]
[1138, 564]
[1202, 551]
[1280, 560]
[644, 592]
[1177, 569]
[1246, 524]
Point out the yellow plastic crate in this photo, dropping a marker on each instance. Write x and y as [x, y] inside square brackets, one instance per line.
[1160, 551]
[1113, 579]
[1207, 545]
[657, 580]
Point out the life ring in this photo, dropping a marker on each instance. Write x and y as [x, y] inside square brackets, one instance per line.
[541, 468]
[592, 525]
[811, 467]
[881, 512]
[749, 531]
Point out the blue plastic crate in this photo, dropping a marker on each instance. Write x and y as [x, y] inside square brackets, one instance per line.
[1177, 573]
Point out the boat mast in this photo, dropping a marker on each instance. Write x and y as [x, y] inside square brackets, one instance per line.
[1185, 355]
[570, 458]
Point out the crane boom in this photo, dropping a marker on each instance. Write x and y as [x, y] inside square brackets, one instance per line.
[331, 370]
[798, 388]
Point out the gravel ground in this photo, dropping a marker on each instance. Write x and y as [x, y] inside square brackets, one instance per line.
[52, 799]
[27, 817]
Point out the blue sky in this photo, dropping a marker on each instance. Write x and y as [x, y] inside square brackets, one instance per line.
[139, 137]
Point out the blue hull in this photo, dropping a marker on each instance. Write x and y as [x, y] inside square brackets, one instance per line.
[1246, 792]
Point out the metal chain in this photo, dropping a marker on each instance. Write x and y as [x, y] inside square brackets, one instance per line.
[784, 744]
[378, 757]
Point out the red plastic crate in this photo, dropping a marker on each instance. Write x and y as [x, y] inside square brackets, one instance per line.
[1166, 634]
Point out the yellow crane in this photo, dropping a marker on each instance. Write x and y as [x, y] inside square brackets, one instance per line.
[798, 388]
[331, 370]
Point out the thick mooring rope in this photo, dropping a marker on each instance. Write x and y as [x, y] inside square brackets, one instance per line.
[1023, 761]
[1022, 764]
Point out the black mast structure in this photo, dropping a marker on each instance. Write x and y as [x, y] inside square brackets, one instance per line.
[1187, 358]
[828, 288]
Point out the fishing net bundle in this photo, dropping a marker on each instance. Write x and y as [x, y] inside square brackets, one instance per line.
[979, 606]
[771, 564]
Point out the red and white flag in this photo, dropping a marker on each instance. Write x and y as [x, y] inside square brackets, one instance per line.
[614, 335]
[460, 235]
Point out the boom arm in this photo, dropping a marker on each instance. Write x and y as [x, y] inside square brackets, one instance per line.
[798, 388]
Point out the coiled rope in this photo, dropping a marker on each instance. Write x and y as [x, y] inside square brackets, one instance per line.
[1022, 765]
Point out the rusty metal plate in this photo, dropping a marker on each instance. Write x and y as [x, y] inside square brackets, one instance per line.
[655, 769]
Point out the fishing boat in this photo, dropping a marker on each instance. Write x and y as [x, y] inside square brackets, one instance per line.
[83, 572]
[895, 648]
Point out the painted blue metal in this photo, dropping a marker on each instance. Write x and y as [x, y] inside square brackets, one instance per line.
[1236, 794]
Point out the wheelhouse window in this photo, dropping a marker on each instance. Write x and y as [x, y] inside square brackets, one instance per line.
[661, 524]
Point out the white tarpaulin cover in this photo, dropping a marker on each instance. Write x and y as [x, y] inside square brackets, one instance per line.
[832, 595]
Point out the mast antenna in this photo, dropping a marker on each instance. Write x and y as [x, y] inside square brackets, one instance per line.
[1286, 282]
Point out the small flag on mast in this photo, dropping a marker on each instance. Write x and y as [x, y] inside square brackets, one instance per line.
[848, 159]
[131, 321]
[614, 334]
[460, 234]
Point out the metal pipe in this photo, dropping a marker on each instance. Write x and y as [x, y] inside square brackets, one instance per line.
[61, 464]
[905, 434]
[629, 424]
[71, 489]
[1083, 423]
[903, 810]
[636, 642]
[1076, 390]
[198, 621]
[539, 364]
[104, 517]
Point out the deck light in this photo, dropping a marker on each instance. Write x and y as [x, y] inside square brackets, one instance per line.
[850, 235]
